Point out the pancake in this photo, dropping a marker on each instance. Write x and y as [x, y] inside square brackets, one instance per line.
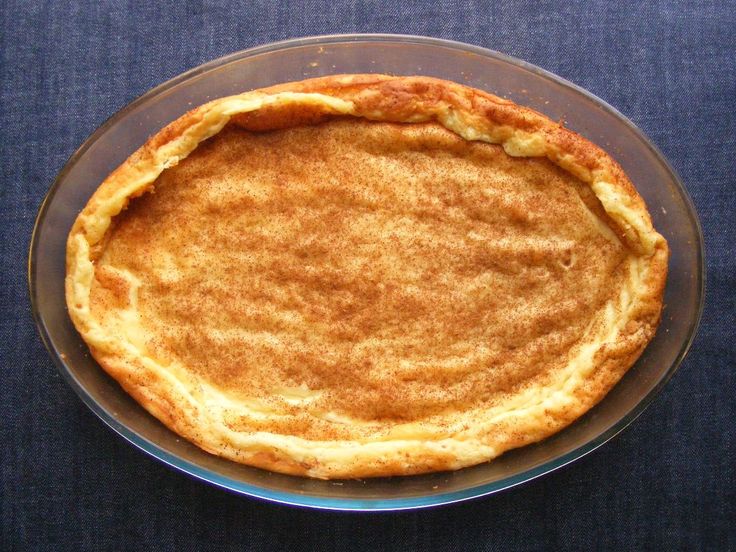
[364, 275]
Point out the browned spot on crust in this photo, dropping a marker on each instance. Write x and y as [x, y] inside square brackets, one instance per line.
[275, 117]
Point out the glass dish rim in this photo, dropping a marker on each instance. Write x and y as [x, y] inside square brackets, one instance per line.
[359, 504]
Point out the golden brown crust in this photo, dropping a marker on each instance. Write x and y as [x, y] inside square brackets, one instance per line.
[193, 406]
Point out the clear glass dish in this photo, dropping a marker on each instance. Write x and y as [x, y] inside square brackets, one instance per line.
[671, 208]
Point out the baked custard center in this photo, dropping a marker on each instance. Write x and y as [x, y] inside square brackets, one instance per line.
[370, 270]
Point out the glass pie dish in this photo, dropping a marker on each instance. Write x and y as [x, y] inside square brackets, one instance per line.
[114, 141]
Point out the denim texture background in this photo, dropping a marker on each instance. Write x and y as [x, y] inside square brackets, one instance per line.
[668, 482]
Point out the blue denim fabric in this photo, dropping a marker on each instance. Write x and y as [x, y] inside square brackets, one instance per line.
[68, 482]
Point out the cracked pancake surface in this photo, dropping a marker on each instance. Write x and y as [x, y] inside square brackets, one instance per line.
[362, 275]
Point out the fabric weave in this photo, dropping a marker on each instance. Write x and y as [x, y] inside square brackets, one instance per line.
[667, 482]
